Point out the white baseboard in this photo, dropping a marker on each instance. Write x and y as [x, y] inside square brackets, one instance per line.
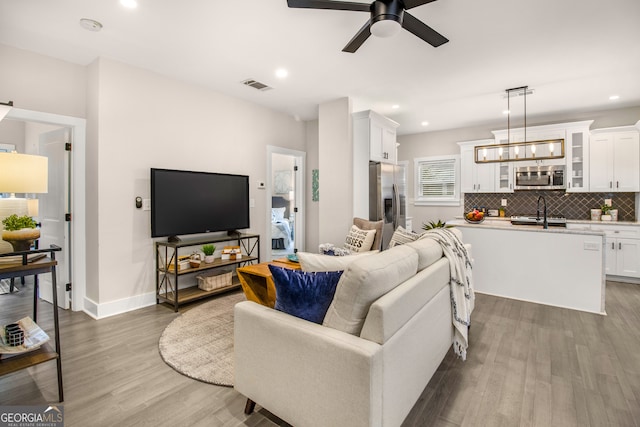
[112, 308]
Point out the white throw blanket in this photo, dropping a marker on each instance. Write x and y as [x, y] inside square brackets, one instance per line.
[461, 285]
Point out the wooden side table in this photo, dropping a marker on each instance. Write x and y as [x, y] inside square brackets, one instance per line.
[257, 282]
[26, 265]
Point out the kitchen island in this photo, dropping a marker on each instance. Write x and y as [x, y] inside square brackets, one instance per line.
[555, 266]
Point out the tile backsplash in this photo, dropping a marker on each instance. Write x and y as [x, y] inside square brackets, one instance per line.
[559, 203]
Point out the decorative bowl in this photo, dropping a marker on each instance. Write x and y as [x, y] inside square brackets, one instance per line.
[470, 221]
[476, 214]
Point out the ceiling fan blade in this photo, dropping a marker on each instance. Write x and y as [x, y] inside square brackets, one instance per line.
[410, 4]
[422, 30]
[360, 37]
[328, 4]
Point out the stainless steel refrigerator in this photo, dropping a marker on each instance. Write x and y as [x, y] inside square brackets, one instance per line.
[387, 198]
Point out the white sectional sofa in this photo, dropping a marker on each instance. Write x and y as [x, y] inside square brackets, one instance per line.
[315, 375]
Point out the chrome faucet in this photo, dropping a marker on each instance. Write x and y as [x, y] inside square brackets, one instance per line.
[545, 224]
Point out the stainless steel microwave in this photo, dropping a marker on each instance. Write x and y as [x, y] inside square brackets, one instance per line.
[540, 178]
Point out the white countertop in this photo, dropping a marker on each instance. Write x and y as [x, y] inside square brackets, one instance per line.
[505, 224]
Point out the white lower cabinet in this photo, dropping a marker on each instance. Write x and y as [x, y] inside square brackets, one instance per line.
[623, 257]
[622, 248]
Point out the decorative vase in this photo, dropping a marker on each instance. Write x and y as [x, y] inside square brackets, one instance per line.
[209, 259]
[596, 214]
[614, 214]
[21, 240]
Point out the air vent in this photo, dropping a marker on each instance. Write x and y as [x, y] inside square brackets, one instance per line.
[256, 85]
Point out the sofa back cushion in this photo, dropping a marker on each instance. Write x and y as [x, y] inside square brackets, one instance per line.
[364, 281]
[429, 251]
[389, 313]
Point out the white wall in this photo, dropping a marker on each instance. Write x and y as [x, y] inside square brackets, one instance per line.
[445, 142]
[40, 83]
[12, 132]
[335, 160]
[146, 120]
[312, 208]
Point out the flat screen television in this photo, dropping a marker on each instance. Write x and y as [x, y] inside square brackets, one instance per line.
[188, 202]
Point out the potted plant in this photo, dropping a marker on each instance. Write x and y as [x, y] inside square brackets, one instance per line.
[606, 213]
[20, 231]
[433, 225]
[208, 253]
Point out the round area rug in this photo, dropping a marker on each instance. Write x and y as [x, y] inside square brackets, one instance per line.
[199, 343]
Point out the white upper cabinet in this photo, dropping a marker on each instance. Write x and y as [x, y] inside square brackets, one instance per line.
[614, 160]
[577, 155]
[476, 177]
[379, 133]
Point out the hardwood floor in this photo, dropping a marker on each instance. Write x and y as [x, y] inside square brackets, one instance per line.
[528, 365]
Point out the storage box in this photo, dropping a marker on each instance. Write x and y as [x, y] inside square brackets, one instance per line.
[215, 280]
[231, 253]
[182, 265]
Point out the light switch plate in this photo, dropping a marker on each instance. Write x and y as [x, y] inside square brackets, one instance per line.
[503, 202]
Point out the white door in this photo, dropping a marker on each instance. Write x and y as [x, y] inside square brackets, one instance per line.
[601, 163]
[53, 206]
[625, 161]
[628, 257]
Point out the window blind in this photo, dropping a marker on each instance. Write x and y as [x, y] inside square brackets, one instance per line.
[437, 179]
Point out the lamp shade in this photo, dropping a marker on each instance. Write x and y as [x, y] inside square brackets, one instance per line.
[23, 173]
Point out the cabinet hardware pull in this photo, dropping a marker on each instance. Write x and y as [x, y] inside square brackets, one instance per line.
[617, 184]
[610, 184]
[620, 245]
[613, 246]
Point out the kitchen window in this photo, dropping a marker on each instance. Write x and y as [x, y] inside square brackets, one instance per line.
[437, 180]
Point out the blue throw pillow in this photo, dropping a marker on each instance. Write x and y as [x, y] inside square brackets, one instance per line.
[304, 294]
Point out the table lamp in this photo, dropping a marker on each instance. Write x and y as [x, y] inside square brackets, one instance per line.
[21, 173]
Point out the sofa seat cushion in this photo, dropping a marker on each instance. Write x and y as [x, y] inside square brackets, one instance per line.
[304, 295]
[364, 281]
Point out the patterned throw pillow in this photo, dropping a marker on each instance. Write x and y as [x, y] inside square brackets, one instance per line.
[359, 240]
[303, 294]
[402, 236]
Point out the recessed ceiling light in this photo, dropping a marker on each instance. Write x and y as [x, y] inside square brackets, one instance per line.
[506, 112]
[281, 73]
[425, 123]
[614, 97]
[90, 24]
[130, 4]
[395, 106]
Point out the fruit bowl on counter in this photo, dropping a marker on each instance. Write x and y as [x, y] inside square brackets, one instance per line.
[474, 217]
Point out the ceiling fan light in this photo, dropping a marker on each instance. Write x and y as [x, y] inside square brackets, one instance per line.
[385, 28]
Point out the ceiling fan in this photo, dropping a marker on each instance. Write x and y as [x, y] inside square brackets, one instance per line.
[387, 16]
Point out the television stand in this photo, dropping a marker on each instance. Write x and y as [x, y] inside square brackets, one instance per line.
[168, 271]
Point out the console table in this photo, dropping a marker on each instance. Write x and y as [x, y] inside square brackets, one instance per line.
[168, 271]
[28, 263]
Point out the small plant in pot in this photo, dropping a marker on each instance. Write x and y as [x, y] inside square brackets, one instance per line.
[20, 231]
[208, 253]
[606, 213]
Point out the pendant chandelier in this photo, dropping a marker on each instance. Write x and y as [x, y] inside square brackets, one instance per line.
[522, 150]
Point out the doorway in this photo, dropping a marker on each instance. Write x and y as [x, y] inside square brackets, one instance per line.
[285, 201]
[74, 130]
